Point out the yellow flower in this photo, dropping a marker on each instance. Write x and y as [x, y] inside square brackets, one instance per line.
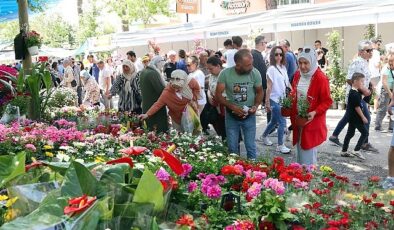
[326, 169]
[47, 147]
[390, 192]
[350, 196]
[171, 148]
[33, 159]
[11, 214]
[3, 197]
[48, 154]
[11, 201]
[99, 160]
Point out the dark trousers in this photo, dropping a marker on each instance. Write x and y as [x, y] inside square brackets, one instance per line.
[345, 119]
[350, 133]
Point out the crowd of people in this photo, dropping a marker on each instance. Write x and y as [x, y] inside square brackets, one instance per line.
[226, 89]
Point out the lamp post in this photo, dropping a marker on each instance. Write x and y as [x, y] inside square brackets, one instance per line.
[24, 27]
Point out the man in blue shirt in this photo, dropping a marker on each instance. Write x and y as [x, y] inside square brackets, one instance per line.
[291, 60]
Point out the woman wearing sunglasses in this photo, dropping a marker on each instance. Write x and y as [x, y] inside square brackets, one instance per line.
[277, 81]
[181, 91]
[311, 83]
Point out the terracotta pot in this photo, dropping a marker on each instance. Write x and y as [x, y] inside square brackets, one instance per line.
[286, 112]
[300, 121]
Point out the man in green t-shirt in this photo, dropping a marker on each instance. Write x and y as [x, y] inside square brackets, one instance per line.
[244, 90]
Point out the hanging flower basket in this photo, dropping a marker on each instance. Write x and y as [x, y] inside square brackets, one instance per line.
[33, 50]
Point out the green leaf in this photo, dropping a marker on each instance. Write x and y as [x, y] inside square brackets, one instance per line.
[61, 167]
[78, 181]
[20, 82]
[47, 80]
[149, 190]
[11, 167]
[115, 174]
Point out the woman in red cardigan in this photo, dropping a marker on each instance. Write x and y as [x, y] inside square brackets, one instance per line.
[311, 83]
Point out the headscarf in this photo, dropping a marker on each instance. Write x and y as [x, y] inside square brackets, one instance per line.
[183, 83]
[85, 75]
[128, 76]
[310, 55]
[155, 61]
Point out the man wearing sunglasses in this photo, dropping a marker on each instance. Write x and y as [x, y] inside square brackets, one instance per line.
[359, 65]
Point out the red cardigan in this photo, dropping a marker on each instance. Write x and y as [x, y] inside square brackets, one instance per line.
[315, 132]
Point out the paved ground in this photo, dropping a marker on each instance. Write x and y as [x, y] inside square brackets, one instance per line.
[357, 170]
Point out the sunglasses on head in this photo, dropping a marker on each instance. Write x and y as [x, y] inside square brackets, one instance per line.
[278, 54]
[307, 50]
[368, 50]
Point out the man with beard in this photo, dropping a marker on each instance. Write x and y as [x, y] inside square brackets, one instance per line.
[152, 85]
[243, 86]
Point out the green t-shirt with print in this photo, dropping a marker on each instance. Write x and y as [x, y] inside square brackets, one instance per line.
[240, 89]
[390, 80]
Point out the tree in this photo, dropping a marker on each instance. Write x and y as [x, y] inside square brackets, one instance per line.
[8, 30]
[138, 10]
[88, 26]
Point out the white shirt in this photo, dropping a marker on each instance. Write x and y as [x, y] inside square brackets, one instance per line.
[200, 78]
[229, 56]
[359, 65]
[103, 75]
[138, 65]
[279, 81]
[373, 62]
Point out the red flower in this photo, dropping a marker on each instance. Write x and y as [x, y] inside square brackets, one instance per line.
[127, 160]
[78, 204]
[34, 165]
[186, 220]
[266, 225]
[171, 161]
[392, 202]
[326, 179]
[298, 227]
[330, 184]
[374, 195]
[230, 170]
[371, 225]
[366, 200]
[293, 210]
[378, 204]
[316, 205]
[134, 150]
[374, 179]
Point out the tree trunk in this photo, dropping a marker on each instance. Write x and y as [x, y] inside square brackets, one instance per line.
[24, 26]
[125, 25]
[271, 4]
[79, 7]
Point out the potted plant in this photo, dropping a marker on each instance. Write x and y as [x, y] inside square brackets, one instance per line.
[286, 104]
[33, 42]
[303, 107]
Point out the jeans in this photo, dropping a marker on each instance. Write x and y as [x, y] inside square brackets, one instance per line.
[248, 126]
[345, 119]
[350, 133]
[276, 118]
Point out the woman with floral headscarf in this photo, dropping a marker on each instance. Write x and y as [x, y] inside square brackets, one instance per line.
[127, 86]
[311, 83]
[92, 90]
[181, 91]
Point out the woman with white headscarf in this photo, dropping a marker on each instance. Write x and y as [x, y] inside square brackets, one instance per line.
[92, 89]
[181, 91]
[311, 83]
[127, 86]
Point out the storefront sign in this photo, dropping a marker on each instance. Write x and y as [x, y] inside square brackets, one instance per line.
[188, 6]
[235, 6]
[308, 23]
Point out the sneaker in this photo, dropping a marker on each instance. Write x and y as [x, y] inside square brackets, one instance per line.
[378, 128]
[357, 154]
[368, 147]
[345, 154]
[283, 149]
[335, 140]
[267, 141]
[388, 183]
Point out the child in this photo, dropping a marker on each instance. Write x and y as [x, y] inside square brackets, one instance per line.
[356, 118]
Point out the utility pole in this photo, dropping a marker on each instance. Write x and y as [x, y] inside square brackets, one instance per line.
[24, 27]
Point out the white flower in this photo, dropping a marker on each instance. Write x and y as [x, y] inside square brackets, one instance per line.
[63, 157]
[89, 153]
[139, 166]
[231, 161]
[219, 154]
[154, 159]
[81, 161]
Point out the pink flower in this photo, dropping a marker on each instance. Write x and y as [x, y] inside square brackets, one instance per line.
[187, 168]
[300, 184]
[192, 186]
[162, 175]
[254, 190]
[214, 192]
[277, 186]
[30, 147]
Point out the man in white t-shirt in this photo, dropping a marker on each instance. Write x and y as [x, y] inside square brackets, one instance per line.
[229, 55]
[105, 83]
[137, 62]
[374, 67]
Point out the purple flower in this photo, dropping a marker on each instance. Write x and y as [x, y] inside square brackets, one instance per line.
[254, 190]
[162, 175]
[192, 186]
[187, 168]
[214, 192]
[201, 176]
[30, 147]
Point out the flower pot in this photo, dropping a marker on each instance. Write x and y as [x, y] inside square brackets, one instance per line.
[334, 105]
[300, 121]
[286, 112]
[33, 50]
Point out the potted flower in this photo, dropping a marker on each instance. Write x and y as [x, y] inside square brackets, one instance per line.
[286, 104]
[303, 107]
[33, 42]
